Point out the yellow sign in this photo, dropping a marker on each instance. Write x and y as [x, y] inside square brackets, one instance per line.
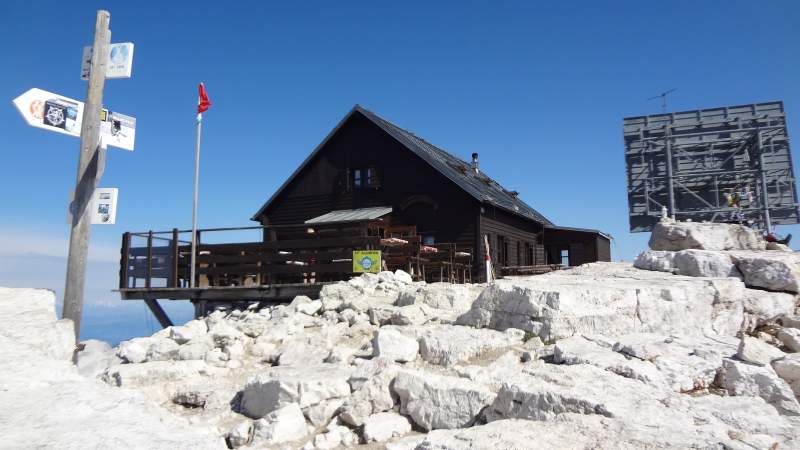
[366, 261]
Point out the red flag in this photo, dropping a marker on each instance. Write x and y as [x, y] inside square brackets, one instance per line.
[203, 102]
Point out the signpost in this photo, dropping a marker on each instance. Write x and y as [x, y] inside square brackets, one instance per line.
[97, 127]
[61, 114]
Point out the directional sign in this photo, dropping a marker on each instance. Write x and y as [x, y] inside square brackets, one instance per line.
[119, 64]
[54, 112]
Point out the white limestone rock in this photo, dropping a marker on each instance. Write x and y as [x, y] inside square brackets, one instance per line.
[224, 335]
[48, 404]
[391, 343]
[95, 358]
[384, 426]
[774, 271]
[579, 350]
[444, 296]
[306, 386]
[790, 320]
[373, 395]
[403, 277]
[790, 337]
[788, 368]
[675, 236]
[300, 353]
[755, 351]
[190, 330]
[196, 349]
[687, 363]
[411, 315]
[282, 425]
[310, 308]
[446, 345]
[765, 307]
[705, 263]
[322, 413]
[192, 396]
[745, 379]
[436, 401]
[541, 392]
[135, 350]
[162, 350]
[241, 434]
[601, 298]
[333, 437]
[158, 372]
[657, 260]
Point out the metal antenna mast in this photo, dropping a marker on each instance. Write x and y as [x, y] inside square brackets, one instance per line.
[663, 97]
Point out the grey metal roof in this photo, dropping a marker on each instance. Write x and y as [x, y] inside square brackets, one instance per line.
[351, 215]
[478, 185]
[581, 230]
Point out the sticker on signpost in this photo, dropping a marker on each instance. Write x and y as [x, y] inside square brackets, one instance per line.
[366, 261]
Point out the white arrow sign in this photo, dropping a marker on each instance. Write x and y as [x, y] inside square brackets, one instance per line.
[54, 112]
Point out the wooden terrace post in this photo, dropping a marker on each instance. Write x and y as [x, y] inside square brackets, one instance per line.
[124, 262]
[175, 258]
[149, 258]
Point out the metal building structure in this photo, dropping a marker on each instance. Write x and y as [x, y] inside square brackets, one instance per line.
[730, 164]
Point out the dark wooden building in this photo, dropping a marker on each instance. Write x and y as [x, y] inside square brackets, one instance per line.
[366, 161]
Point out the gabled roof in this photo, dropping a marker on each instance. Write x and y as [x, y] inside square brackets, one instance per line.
[478, 185]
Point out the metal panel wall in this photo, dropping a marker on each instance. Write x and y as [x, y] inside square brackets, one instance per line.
[690, 163]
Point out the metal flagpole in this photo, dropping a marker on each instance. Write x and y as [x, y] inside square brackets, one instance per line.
[194, 207]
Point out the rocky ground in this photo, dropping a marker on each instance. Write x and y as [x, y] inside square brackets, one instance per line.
[697, 346]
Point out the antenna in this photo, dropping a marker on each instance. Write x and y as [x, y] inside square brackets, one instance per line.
[663, 97]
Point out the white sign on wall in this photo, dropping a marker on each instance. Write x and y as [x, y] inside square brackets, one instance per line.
[61, 114]
[119, 64]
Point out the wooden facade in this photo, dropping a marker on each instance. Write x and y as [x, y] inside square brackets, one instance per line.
[366, 162]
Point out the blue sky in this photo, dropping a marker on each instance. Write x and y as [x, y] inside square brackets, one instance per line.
[539, 89]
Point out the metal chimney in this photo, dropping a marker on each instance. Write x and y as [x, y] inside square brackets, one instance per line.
[475, 163]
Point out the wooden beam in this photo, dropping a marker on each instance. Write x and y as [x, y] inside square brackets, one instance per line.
[159, 312]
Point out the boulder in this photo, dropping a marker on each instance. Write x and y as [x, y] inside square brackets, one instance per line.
[687, 363]
[746, 379]
[755, 351]
[675, 236]
[579, 350]
[196, 349]
[188, 331]
[657, 260]
[134, 350]
[403, 277]
[774, 271]
[790, 320]
[384, 426]
[391, 343]
[158, 372]
[300, 353]
[285, 424]
[162, 350]
[457, 298]
[310, 308]
[333, 437]
[790, 337]
[446, 345]
[241, 434]
[306, 386]
[322, 413]
[436, 401]
[192, 396]
[374, 395]
[788, 368]
[542, 392]
[602, 298]
[705, 263]
[224, 335]
[95, 358]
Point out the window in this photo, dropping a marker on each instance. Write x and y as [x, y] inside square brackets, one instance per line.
[357, 179]
[528, 257]
[565, 258]
[502, 251]
[372, 178]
